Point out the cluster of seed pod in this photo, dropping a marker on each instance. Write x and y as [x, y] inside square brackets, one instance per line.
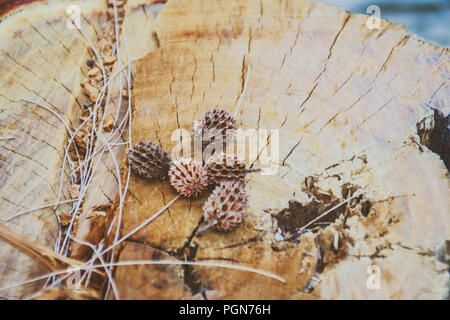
[225, 208]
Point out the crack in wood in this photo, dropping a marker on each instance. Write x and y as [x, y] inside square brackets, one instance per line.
[330, 51]
[292, 150]
[383, 67]
[373, 114]
[25, 156]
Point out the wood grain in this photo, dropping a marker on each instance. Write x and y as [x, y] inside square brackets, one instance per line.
[44, 61]
[354, 109]
[346, 100]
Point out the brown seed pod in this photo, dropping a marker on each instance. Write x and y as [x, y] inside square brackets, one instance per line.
[188, 177]
[222, 167]
[148, 160]
[214, 124]
[226, 206]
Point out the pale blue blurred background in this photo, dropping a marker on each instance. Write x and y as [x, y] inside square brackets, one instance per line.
[429, 19]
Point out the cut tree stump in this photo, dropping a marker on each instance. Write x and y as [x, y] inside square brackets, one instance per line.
[351, 110]
[44, 61]
[41, 60]
[346, 101]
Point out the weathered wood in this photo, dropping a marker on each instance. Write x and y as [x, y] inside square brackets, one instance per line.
[346, 101]
[356, 109]
[44, 61]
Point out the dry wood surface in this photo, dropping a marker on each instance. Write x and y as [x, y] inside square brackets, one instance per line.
[358, 116]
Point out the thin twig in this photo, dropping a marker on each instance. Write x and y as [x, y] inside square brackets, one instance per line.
[52, 111]
[97, 254]
[355, 195]
[153, 262]
[38, 208]
[7, 138]
[206, 227]
[147, 221]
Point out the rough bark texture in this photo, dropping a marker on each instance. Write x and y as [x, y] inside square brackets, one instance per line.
[356, 109]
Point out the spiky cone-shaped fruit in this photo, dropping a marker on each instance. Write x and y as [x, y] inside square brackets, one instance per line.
[214, 125]
[224, 167]
[188, 177]
[148, 160]
[226, 207]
